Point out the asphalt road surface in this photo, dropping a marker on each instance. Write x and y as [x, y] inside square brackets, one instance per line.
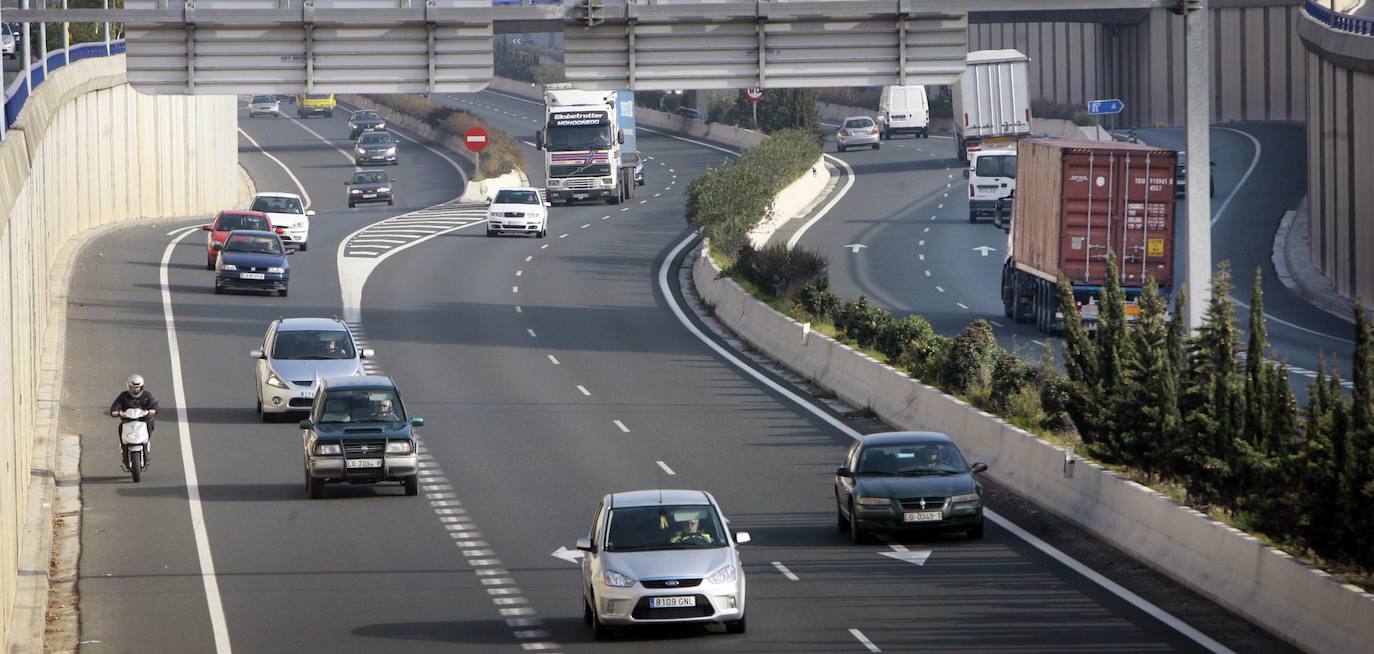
[549, 372]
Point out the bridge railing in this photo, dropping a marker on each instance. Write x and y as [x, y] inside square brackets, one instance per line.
[1339, 21]
[18, 93]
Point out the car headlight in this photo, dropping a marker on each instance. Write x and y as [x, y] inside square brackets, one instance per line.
[328, 449]
[617, 580]
[398, 447]
[277, 270]
[607, 181]
[355, 190]
[966, 497]
[873, 501]
[724, 575]
[275, 381]
[555, 182]
[384, 189]
[391, 151]
[359, 151]
[229, 266]
[381, 126]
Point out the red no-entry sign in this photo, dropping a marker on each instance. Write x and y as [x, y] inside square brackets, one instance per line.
[475, 139]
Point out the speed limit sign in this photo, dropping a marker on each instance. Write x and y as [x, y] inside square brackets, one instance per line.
[753, 93]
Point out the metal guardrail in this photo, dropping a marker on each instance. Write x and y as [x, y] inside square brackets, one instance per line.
[1339, 21]
[18, 93]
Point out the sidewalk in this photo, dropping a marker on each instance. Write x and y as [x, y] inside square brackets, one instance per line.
[1292, 258]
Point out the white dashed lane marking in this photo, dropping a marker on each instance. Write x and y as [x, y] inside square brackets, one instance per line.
[621, 425]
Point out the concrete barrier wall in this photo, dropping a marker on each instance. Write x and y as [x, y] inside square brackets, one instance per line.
[792, 201]
[86, 152]
[1300, 604]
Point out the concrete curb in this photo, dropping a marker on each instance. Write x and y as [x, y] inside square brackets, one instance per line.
[1300, 604]
[1292, 258]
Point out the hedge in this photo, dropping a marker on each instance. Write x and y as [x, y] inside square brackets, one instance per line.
[502, 153]
[728, 201]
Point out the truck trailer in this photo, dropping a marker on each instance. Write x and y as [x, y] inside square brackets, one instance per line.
[589, 144]
[991, 100]
[1077, 201]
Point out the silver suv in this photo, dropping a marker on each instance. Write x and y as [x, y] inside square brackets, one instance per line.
[656, 557]
[296, 354]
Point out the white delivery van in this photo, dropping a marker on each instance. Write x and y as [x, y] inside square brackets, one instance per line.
[991, 182]
[904, 110]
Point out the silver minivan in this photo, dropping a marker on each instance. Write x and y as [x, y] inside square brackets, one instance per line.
[296, 354]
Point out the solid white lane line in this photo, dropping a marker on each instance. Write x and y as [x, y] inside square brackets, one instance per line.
[845, 429]
[218, 626]
[664, 467]
[584, 390]
[785, 572]
[863, 640]
[622, 426]
[305, 195]
[183, 229]
[553, 359]
[848, 184]
[531, 333]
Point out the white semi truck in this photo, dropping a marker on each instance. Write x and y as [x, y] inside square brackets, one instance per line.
[991, 100]
[589, 146]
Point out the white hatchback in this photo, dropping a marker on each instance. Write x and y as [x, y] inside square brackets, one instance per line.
[518, 211]
[286, 211]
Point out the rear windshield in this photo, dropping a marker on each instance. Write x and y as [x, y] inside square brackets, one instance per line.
[231, 221]
[858, 122]
[996, 166]
[312, 344]
[510, 196]
[319, 96]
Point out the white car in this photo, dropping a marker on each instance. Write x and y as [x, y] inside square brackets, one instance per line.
[297, 353]
[286, 211]
[991, 182]
[264, 105]
[9, 43]
[518, 211]
[857, 131]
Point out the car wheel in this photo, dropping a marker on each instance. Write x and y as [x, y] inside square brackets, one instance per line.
[390, 202]
[262, 416]
[351, 205]
[315, 487]
[412, 485]
[491, 233]
[856, 533]
[840, 522]
[282, 292]
[877, 146]
[543, 233]
[304, 246]
[210, 265]
[219, 290]
[600, 630]
[586, 612]
[972, 217]
[840, 148]
[735, 627]
[977, 532]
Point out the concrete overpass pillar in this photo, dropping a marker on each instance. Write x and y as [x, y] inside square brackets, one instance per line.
[1198, 272]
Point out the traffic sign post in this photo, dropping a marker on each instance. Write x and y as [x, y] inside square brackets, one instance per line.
[475, 139]
[753, 94]
[1100, 107]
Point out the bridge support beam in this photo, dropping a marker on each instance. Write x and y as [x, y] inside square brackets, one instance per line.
[1198, 83]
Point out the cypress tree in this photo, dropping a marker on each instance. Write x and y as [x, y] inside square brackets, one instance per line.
[1081, 364]
[1320, 479]
[1173, 458]
[1113, 354]
[1148, 401]
[1359, 483]
[1281, 414]
[1255, 366]
[1215, 421]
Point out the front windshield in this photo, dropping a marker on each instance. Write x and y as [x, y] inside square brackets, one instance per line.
[258, 99]
[366, 115]
[913, 459]
[369, 178]
[996, 165]
[276, 204]
[509, 196]
[362, 405]
[593, 137]
[231, 221]
[312, 344]
[375, 139]
[667, 527]
[253, 244]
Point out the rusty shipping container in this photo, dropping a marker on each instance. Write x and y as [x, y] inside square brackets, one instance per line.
[1077, 201]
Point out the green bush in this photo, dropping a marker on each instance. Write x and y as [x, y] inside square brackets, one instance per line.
[925, 358]
[781, 271]
[900, 335]
[819, 300]
[728, 201]
[862, 321]
[972, 356]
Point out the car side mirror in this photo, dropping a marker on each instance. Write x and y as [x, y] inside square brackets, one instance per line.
[539, 139]
[206, 228]
[256, 354]
[843, 472]
[742, 537]
[395, 179]
[348, 184]
[585, 544]
[979, 467]
[290, 251]
[965, 173]
[309, 212]
[368, 353]
[218, 246]
[620, 136]
[417, 422]
[306, 424]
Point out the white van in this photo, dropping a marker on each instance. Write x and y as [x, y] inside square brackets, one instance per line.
[904, 110]
[991, 181]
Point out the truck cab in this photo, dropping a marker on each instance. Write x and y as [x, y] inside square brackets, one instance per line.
[315, 104]
[991, 178]
[588, 139]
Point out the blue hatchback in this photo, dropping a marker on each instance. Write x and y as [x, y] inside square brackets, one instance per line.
[252, 260]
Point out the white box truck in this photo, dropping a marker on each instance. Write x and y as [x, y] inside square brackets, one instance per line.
[589, 144]
[903, 110]
[991, 100]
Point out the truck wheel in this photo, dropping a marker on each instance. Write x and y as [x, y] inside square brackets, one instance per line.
[412, 485]
[1008, 291]
[972, 216]
[313, 486]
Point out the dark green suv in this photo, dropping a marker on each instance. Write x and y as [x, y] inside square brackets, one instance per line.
[358, 433]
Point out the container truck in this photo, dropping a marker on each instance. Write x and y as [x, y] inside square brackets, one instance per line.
[589, 144]
[991, 100]
[1077, 201]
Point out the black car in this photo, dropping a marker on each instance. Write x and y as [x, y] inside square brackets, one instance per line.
[376, 147]
[252, 260]
[358, 433]
[369, 186]
[364, 120]
[905, 481]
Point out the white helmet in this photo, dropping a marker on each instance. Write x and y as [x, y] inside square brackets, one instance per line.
[136, 380]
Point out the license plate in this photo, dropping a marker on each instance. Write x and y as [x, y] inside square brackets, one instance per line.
[252, 276]
[672, 602]
[364, 463]
[580, 196]
[369, 195]
[309, 395]
[922, 516]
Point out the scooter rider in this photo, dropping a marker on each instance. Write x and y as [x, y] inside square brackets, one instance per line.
[135, 397]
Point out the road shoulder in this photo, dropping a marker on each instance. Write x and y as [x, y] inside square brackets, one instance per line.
[1292, 256]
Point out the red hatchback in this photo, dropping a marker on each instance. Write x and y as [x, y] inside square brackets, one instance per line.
[228, 221]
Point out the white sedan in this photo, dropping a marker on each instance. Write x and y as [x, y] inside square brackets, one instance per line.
[286, 211]
[518, 211]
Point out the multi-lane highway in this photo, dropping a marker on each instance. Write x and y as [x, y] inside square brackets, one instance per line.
[549, 372]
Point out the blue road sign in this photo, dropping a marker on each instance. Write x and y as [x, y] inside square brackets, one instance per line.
[1099, 107]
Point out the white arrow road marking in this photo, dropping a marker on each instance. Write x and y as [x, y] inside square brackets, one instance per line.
[901, 553]
[855, 247]
[571, 556]
[984, 249]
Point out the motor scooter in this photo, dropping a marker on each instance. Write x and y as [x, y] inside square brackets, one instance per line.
[134, 442]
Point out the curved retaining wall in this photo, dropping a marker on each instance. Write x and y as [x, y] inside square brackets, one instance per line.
[86, 152]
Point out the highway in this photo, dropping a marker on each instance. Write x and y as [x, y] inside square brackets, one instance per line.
[549, 372]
